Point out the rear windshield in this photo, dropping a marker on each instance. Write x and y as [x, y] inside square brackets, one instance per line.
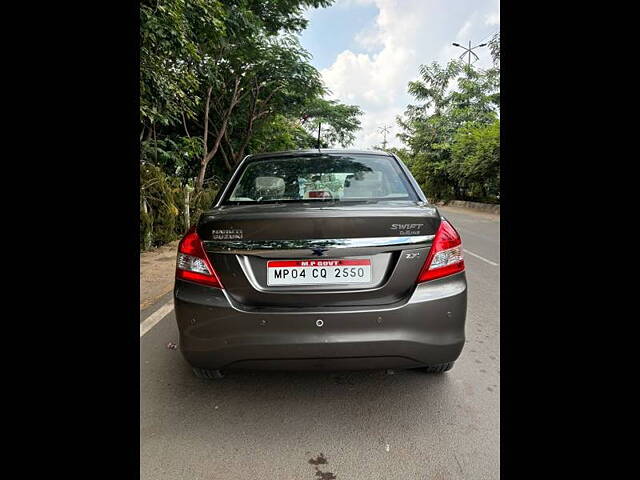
[321, 178]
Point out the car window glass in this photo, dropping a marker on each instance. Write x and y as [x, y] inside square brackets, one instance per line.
[337, 178]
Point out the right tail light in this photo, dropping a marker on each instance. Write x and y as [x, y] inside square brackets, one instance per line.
[445, 256]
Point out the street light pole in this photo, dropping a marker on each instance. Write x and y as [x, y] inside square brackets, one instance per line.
[469, 51]
[384, 130]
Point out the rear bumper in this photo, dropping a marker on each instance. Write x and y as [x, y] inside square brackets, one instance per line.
[427, 329]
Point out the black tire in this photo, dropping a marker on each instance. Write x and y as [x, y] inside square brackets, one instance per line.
[441, 368]
[207, 374]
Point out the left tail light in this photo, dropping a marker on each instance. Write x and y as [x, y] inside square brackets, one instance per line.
[193, 264]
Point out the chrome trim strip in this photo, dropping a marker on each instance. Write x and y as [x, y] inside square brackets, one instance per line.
[249, 246]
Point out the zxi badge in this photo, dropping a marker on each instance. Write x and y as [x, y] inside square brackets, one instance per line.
[411, 256]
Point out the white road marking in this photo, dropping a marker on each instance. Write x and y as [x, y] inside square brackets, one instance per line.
[155, 317]
[481, 258]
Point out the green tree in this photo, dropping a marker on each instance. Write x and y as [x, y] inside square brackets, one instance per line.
[195, 55]
[452, 98]
[476, 160]
[279, 134]
[339, 122]
[280, 81]
[220, 79]
[171, 32]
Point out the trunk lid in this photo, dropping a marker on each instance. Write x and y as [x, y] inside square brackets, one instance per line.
[241, 239]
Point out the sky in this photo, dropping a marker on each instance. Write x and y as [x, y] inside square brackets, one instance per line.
[369, 50]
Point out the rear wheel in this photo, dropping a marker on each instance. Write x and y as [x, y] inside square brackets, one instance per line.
[440, 368]
[206, 373]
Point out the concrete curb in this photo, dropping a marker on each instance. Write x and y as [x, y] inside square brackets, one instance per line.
[483, 207]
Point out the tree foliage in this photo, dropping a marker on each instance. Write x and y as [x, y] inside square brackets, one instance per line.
[171, 35]
[220, 79]
[338, 122]
[452, 134]
[475, 160]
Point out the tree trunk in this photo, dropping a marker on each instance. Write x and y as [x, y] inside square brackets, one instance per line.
[205, 142]
[187, 219]
[253, 116]
[208, 155]
[207, 158]
[184, 123]
[200, 181]
[240, 153]
[148, 234]
[155, 142]
[225, 157]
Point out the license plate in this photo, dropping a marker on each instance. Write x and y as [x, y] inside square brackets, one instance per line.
[318, 272]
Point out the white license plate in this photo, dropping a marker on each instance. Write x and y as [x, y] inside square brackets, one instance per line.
[318, 272]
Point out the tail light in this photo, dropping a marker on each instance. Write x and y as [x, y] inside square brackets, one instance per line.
[319, 194]
[193, 264]
[445, 256]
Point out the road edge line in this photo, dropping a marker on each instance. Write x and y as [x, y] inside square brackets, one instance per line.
[481, 258]
[153, 319]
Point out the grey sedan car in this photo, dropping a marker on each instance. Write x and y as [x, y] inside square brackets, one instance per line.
[323, 259]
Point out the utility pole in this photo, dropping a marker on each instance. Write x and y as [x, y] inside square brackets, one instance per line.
[469, 51]
[384, 130]
[319, 125]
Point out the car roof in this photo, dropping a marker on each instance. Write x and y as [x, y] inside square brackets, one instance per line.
[316, 151]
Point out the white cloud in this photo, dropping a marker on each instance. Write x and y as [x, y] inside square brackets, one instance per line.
[369, 39]
[492, 18]
[463, 33]
[406, 33]
[349, 3]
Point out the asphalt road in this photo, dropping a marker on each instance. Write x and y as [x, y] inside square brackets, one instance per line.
[347, 425]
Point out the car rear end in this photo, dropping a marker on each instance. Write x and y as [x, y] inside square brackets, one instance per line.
[321, 261]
